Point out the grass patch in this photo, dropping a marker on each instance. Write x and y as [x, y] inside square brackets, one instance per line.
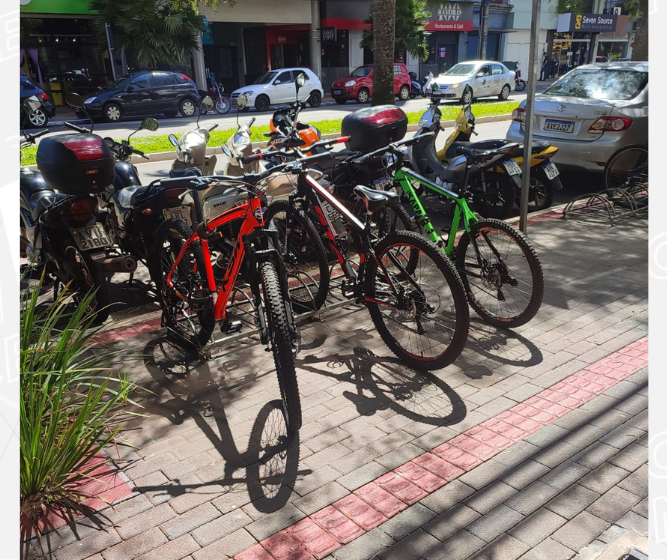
[156, 144]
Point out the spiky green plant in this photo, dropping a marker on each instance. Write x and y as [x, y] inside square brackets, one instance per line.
[70, 402]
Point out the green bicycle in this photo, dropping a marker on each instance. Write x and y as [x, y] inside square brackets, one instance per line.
[500, 270]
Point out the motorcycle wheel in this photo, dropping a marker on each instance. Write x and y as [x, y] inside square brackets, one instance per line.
[84, 275]
[222, 106]
[495, 199]
[540, 194]
[520, 85]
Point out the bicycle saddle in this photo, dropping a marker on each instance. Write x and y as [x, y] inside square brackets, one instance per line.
[374, 199]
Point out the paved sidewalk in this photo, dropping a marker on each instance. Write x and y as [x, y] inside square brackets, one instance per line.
[531, 446]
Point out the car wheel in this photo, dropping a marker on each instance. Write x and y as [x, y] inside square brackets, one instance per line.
[505, 92]
[363, 96]
[188, 107]
[404, 93]
[315, 99]
[112, 112]
[262, 103]
[341, 101]
[38, 118]
[467, 96]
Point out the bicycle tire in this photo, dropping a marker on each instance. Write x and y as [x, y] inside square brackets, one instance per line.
[300, 250]
[627, 169]
[194, 319]
[485, 288]
[448, 323]
[385, 220]
[281, 345]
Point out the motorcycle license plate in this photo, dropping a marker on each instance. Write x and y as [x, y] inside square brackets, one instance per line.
[559, 126]
[337, 92]
[551, 170]
[512, 167]
[382, 184]
[179, 213]
[91, 237]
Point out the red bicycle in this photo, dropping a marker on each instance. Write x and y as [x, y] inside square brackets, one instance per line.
[193, 299]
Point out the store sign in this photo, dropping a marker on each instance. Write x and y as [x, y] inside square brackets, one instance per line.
[56, 7]
[451, 16]
[586, 22]
[328, 34]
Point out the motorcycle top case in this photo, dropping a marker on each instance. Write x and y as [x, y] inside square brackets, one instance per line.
[76, 164]
[373, 128]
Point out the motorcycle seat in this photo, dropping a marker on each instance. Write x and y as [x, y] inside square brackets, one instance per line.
[537, 147]
[129, 196]
[41, 200]
[375, 200]
[185, 172]
[483, 145]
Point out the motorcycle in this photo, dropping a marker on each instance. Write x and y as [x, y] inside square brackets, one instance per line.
[191, 149]
[60, 234]
[239, 145]
[519, 83]
[221, 103]
[493, 194]
[417, 87]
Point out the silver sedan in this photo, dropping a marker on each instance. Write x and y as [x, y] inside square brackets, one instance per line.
[589, 113]
[486, 78]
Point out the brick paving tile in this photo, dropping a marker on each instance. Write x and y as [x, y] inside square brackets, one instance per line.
[226, 547]
[532, 497]
[523, 474]
[221, 527]
[611, 534]
[257, 552]
[489, 497]
[173, 550]
[447, 496]
[548, 549]
[457, 457]
[637, 482]
[564, 475]
[284, 546]
[408, 521]
[595, 454]
[477, 448]
[411, 547]
[318, 542]
[438, 466]
[580, 530]
[136, 546]
[484, 474]
[142, 522]
[447, 524]
[360, 512]
[642, 508]
[572, 501]
[93, 544]
[190, 520]
[400, 487]
[459, 547]
[634, 522]
[505, 547]
[338, 525]
[613, 504]
[324, 496]
[494, 523]
[603, 478]
[423, 478]
[379, 499]
[537, 526]
[365, 547]
[269, 524]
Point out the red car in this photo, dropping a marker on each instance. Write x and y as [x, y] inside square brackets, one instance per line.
[359, 84]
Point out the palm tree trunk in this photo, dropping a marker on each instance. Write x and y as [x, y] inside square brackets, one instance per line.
[384, 13]
[640, 48]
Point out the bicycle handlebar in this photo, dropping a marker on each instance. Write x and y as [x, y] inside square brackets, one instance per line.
[77, 128]
[392, 147]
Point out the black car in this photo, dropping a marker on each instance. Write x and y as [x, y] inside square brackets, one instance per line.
[144, 93]
[41, 116]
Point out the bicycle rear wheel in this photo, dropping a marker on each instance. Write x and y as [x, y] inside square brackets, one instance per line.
[303, 253]
[186, 305]
[281, 345]
[627, 169]
[424, 318]
[501, 273]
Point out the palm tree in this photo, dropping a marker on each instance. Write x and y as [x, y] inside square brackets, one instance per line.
[409, 33]
[383, 51]
[154, 31]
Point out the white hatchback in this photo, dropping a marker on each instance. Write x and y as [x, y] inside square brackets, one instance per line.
[278, 87]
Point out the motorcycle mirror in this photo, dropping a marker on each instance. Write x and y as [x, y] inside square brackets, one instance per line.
[75, 100]
[149, 124]
[173, 140]
[241, 101]
[109, 141]
[207, 104]
[434, 87]
[300, 82]
[31, 104]
[225, 150]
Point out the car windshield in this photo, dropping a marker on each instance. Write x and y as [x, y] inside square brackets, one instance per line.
[265, 78]
[362, 72]
[118, 84]
[460, 70]
[596, 83]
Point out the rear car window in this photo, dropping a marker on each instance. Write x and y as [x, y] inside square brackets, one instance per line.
[598, 83]
[497, 69]
[27, 84]
[162, 79]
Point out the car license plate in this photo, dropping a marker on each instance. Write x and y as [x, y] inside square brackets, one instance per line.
[91, 237]
[179, 213]
[337, 92]
[559, 126]
[551, 170]
[512, 167]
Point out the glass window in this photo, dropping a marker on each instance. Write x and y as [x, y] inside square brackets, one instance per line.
[141, 80]
[284, 78]
[484, 71]
[362, 72]
[397, 70]
[27, 84]
[265, 78]
[496, 69]
[460, 70]
[162, 79]
[600, 84]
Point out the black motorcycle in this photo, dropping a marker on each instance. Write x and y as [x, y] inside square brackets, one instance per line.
[60, 234]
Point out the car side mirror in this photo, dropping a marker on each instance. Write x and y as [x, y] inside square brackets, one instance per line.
[74, 100]
[31, 104]
[173, 140]
[150, 124]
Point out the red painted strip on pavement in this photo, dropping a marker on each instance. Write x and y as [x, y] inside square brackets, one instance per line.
[386, 496]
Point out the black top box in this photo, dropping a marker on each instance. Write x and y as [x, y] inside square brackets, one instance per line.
[76, 164]
[373, 128]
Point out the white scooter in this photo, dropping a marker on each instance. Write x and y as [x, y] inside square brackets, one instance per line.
[191, 148]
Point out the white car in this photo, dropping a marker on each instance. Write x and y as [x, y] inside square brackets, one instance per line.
[278, 87]
[486, 78]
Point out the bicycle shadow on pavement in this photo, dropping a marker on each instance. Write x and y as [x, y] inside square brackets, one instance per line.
[184, 388]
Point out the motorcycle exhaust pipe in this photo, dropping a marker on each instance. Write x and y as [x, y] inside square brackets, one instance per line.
[124, 263]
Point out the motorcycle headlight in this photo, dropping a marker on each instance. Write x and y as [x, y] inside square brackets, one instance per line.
[241, 140]
[423, 121]
[350, 83]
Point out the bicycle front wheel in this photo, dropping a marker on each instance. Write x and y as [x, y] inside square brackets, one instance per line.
[420, 311]
[501, 273]
[627, 169]
[281, 345]
[303, 253]
[186, 303]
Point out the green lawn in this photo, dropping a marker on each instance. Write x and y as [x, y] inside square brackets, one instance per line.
[155, 144]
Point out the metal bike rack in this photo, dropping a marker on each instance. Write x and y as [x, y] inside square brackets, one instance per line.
[608, 205]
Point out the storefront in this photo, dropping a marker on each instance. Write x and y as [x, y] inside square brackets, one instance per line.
[287, 46]
[450, 21]
[59, 50]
